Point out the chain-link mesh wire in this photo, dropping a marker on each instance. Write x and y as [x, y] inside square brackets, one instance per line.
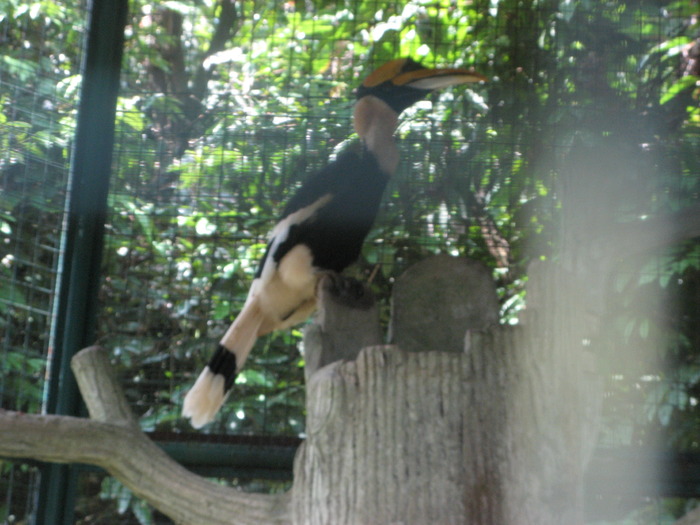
[224, 108]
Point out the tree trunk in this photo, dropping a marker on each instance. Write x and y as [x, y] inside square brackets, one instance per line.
[494, 435]
[496, 429]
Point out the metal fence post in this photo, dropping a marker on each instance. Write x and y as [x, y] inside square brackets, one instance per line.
[86, 209]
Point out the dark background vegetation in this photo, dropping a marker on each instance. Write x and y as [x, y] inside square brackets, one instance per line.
[225, 106]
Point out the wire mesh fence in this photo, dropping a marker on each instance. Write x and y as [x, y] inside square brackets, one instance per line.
[225, 107]
[36, 123]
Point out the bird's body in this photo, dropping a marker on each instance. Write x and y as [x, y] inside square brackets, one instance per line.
[321, 230]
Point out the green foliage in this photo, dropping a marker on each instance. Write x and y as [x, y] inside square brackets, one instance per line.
[114, 491]
[225, 107]
[479, 175]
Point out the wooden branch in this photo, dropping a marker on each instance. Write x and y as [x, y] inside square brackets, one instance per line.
[115, 443]
[225, 30]
[100, 388]
[226, 27]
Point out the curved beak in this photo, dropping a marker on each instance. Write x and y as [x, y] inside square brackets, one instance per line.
[429, 79]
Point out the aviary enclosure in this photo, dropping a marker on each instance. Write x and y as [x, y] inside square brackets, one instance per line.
[589, 121]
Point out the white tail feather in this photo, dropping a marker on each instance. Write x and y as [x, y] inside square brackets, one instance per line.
[207, 395]
[205, 398]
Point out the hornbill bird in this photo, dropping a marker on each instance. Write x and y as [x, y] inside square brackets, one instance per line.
[323, 226]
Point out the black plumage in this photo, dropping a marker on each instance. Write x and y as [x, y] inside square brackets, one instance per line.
[335, 233]
[322, 227]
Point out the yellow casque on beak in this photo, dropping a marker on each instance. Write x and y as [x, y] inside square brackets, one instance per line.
[403, 82]
[430, 79]
[403, 72]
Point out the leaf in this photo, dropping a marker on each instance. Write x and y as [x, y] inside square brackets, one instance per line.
[180, 7]
[253, 377]
[222, 310]
[644, 328]
[204, 227]
[679, 87]
[671, 47]
[11, 294]
[567, 8]
[143, 512]
[664, 414]
[23, 70]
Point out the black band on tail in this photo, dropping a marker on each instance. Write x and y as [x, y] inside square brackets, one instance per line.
[223, 362]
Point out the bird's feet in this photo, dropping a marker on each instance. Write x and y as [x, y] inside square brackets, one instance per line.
[344, 290]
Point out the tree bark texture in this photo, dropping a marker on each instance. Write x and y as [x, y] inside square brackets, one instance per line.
[494, 427]
[480, 437]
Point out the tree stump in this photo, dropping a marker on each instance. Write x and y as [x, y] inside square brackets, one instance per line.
[437, 300]
[495, 434]
[343, 325]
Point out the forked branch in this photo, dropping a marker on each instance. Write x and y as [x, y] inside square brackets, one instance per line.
[112, 440]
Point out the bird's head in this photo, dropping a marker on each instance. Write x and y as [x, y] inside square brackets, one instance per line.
[403, 82]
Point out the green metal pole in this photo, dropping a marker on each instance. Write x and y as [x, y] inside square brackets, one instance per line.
[86, 210]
